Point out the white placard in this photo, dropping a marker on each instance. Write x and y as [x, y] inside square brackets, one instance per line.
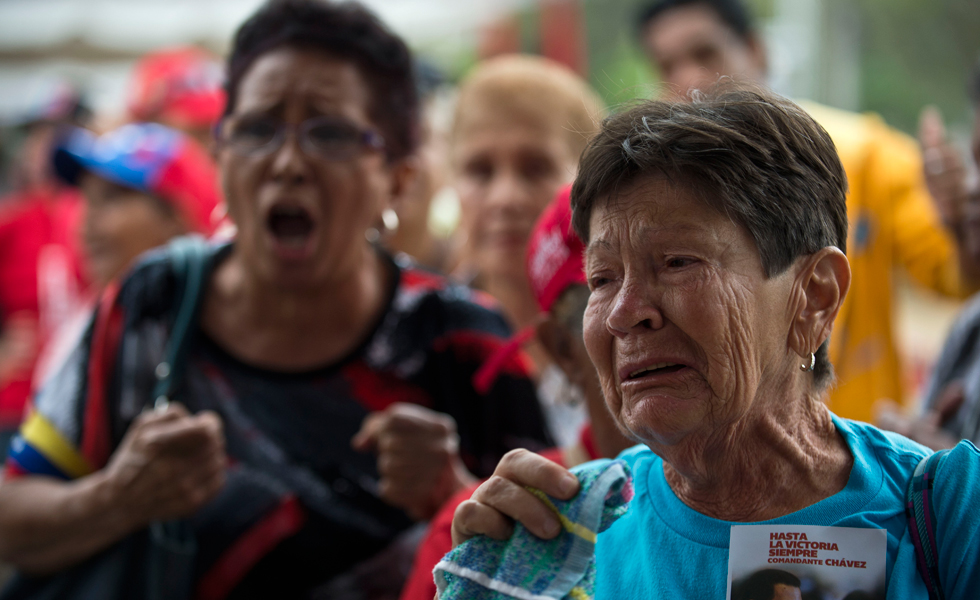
[835, 561]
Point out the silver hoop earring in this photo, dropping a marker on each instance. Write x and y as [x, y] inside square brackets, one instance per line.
[390, 218]
[807, 368]
[372, 235]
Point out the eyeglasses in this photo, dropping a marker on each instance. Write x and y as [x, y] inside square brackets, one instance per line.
[324, 137]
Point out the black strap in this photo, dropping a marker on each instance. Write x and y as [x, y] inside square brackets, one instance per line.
[173, 545]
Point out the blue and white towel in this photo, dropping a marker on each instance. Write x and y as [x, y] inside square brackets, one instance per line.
[527, 567]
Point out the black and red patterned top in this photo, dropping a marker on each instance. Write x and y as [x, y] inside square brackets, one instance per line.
[300, 506]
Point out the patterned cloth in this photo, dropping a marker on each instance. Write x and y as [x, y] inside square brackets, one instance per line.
[960, 363]
[529, 568]
[300, 506]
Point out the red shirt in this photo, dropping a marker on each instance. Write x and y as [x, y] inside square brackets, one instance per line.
[40, 275]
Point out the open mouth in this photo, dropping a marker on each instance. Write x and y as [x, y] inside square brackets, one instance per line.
[656, 369]
[291, 226]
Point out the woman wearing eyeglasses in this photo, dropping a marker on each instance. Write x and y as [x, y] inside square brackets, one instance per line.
[327, 401]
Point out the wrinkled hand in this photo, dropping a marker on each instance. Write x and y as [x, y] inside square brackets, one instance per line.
[502, 499]
[927, 428]
[168, 465]
[418, 457]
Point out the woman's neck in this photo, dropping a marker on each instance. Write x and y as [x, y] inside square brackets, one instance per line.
[293, 329]
[784, 459]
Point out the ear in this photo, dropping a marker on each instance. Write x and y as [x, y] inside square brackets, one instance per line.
[403, 173]
[822, 284]
[557, 342]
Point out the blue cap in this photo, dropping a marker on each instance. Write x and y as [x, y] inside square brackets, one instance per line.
[134, 155]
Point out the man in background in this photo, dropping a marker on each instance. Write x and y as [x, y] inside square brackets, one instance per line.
[893, 222]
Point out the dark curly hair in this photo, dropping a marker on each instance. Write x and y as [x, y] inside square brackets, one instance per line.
[348, 31]
[733, 13]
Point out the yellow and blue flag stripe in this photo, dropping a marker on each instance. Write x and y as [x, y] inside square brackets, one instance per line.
[40, 449]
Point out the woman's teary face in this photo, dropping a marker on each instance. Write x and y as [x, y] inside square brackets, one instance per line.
[506, 174]
[684, 328]
[301, 218]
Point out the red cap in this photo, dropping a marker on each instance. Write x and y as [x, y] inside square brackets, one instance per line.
[151, 158]
[181, 86]
[554, 252]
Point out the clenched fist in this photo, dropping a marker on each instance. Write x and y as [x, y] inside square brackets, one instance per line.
[169, 464]
[418, 457]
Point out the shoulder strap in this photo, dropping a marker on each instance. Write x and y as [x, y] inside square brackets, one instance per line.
[189, 256]
[921, 513]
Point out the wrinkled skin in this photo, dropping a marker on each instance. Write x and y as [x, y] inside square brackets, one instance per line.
[676, 281]
[741, 429]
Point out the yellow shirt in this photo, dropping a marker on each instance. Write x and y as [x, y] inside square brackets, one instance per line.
[892, 222]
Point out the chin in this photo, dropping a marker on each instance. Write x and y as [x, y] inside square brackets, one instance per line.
[662, 422]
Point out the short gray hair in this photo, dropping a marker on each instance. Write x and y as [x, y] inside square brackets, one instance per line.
[761, 159]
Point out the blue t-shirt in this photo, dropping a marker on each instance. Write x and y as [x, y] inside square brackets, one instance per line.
[664, 549]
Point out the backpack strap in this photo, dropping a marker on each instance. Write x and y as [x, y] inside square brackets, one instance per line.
[189, 256]
[921, 514]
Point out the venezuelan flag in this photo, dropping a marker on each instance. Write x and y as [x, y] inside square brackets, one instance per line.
[40, 449]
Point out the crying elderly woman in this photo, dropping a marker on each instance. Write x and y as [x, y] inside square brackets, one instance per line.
[715, 234]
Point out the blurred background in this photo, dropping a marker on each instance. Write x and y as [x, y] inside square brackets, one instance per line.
[891, 57]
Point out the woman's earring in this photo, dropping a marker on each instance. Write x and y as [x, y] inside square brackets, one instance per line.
[806, 368]
[390, 218]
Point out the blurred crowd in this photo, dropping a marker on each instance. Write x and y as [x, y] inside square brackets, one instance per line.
[378, 293]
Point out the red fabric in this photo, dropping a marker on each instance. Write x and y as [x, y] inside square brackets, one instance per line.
[587, 440]
[283, 522]
[190, 183]
[438, 541]
[487, 373]
[417, 278]
[555, 255]
[12, 470]
[96, 435]
[41, 275]
[180, 85]
[478, 347]
[377, 390]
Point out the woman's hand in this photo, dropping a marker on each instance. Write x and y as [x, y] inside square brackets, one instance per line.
[169, 464]
[418, 457]
[503, 499]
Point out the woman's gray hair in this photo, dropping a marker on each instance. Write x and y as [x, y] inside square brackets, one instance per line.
[752, 154]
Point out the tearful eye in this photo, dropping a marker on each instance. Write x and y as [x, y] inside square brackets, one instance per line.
[597, 282]
[677, 263]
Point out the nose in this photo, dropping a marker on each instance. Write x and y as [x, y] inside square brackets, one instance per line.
[506, 192]
[289, 163]
[635, 310]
